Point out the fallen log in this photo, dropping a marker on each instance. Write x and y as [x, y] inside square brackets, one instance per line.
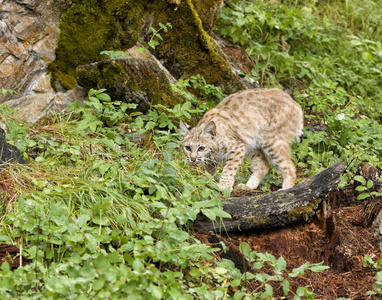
[277, 209]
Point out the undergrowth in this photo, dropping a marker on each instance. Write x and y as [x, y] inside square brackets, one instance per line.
[330, 56]
[105, 207]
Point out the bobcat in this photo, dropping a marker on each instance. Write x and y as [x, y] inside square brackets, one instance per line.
[260, 123]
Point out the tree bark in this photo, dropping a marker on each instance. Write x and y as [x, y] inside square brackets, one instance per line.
[277, 209]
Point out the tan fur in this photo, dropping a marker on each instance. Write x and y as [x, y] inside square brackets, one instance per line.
[260, 123]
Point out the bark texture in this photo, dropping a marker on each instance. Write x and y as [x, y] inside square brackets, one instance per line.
[277, 209]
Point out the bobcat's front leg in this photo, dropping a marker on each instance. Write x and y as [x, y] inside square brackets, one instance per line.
[231, 167]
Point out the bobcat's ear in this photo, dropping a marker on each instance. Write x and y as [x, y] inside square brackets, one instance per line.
[210, 128]
[184, 128]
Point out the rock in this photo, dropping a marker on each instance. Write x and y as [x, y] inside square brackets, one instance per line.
[141, 79]
[29, 33]
[208, 12]
[44, 43]
[35, 106]
[186, 48]
[8, 153]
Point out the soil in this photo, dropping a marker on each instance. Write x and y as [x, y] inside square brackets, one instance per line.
[340, 235]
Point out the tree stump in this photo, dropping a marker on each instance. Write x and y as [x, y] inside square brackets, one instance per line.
[277, 209]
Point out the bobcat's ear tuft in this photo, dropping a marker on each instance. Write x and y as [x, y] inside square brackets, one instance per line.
[210, 128]
[184, 128]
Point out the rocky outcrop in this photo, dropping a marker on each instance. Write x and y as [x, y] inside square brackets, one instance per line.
[46, 48]
[29, 30]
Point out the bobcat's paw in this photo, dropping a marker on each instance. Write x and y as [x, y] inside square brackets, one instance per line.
[244, 187]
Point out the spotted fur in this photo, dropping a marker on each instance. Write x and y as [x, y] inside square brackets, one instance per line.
[260, 123]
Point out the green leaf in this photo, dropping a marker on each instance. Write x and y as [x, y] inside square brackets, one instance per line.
[141, 50]
[367, 56]
[138, 265]
[263, 277]
[104, 97]
[91, 92]
[156, 291]
[361, 188]
[268, 292]
[194, 272]
[209, 213]
[220, 270]
[150, 125]
[300, 270]
[159, 36]
[179, 236]
[98, 284]
[280, 265]
[318, 268]
[245, 249]
[370, 184]
[362, 196]
[285, 286]
[300, 291]
[360, 179]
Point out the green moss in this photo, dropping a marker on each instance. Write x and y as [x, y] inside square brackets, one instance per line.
[92, 26]
[189, 45]
[128, 81]
[207, 11]
[107, 77]
[306, 211]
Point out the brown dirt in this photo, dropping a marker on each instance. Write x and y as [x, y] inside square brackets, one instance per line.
[339, 236]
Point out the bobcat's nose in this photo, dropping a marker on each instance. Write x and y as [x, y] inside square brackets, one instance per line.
[193, 158]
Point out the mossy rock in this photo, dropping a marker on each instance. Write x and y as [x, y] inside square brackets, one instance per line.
[208, 12]
[92, 26]
[134, 80]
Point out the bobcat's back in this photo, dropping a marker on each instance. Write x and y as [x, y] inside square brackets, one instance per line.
[258, 114]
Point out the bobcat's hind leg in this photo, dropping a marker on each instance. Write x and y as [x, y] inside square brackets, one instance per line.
[260, 168]
[279, 153]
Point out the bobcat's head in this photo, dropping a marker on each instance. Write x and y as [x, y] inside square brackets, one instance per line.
[199, 143]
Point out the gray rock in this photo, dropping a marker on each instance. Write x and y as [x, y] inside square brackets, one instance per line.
[141, 79]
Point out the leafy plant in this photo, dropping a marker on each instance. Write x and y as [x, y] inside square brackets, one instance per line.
[99, 110]
[377, 288]
[365, 187]
[5, 91]
[264, 290]
[97, 220]
[153, 43]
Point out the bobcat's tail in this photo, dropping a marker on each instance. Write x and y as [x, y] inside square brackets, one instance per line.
[300, 130]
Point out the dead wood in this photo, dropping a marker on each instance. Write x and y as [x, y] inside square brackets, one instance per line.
[277, 209]
[371, 213]
[368, 171]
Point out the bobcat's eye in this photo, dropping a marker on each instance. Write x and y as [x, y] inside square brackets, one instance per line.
[188, 148]
[201, 148]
